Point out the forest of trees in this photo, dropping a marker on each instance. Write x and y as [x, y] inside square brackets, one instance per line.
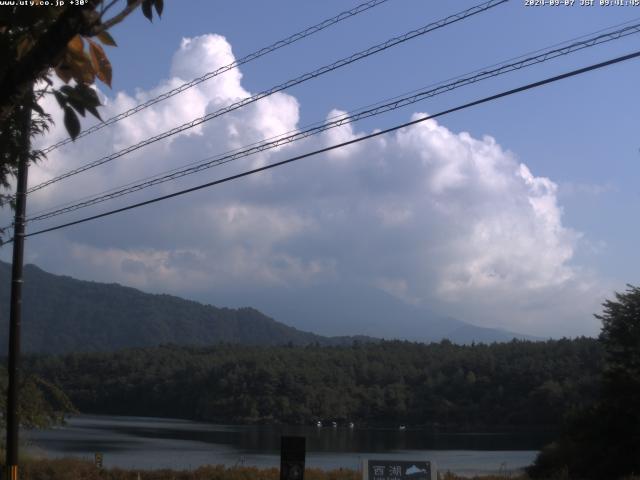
[42, 404]
[441, 385]
[602, 440]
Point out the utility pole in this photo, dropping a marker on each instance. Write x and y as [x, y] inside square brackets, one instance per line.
[15, 316]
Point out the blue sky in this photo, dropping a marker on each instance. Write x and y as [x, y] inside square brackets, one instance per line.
[458, 253]
[581, 132]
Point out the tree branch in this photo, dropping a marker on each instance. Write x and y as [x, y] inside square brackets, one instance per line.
[106, 8]
[18, 78]
[116, 19]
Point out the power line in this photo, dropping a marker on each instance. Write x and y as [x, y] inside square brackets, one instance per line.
[396, 103]
[354, 111]
[349, 142]
[209, 75]
[284, 86]
[527, 59]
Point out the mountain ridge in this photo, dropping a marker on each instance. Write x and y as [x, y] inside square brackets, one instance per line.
[63, 314]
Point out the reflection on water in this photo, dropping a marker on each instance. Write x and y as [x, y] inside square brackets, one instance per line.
[136, 442]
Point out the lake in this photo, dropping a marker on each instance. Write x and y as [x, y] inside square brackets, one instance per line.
[152, 443]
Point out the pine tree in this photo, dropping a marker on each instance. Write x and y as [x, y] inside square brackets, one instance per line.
[603, 441]
[620, 406]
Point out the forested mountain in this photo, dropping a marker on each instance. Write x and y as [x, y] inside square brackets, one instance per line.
[441, 385]
[62, 314]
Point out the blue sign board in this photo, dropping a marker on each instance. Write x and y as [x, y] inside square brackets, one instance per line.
[398, 470]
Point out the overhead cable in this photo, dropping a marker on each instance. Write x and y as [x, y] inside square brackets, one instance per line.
[235, 64]
[284, 86]
[349, 142]
[396, 103]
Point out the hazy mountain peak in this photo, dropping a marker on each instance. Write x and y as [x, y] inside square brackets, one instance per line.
[63, 314]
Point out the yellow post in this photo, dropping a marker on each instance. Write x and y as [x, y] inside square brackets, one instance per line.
[12, 472]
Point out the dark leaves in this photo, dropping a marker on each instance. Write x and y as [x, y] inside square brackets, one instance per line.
[71, 122]
[90, 99]
[77, 100]
[146, 9]
[77, 104]
[149, 5]
[159, 4]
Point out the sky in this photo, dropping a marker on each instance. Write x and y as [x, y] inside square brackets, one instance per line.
[517, 214]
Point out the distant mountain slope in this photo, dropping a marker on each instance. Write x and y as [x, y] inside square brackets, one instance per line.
[339, 309]
[467, 334]
[62, 314]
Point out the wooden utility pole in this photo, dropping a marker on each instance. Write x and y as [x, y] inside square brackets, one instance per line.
[15, 316]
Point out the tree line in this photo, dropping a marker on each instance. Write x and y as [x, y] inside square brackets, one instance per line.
[441, 385]
[587, 388]
[41, 404]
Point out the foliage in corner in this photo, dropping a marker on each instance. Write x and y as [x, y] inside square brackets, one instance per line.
[603, 440]
[39, 42]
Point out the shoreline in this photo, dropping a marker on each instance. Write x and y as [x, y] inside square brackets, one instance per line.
[342, 424]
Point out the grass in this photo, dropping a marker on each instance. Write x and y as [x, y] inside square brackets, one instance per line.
[37, 468]
[76, 469]
[72, 469]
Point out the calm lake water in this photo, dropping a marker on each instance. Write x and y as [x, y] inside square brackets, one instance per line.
[151, 443]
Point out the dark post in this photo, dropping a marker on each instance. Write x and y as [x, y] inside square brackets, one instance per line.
[15, 316]
[292, 455]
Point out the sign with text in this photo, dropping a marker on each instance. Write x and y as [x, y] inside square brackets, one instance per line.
[398, 470]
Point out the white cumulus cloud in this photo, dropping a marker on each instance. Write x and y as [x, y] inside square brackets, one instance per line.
[431, 216]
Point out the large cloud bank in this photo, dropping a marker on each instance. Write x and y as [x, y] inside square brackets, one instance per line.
[430, 216]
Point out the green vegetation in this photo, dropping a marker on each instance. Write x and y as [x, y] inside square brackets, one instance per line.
[590, 387]
[40, 44]
[41, 403]
[441, 385]
[603, 439]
